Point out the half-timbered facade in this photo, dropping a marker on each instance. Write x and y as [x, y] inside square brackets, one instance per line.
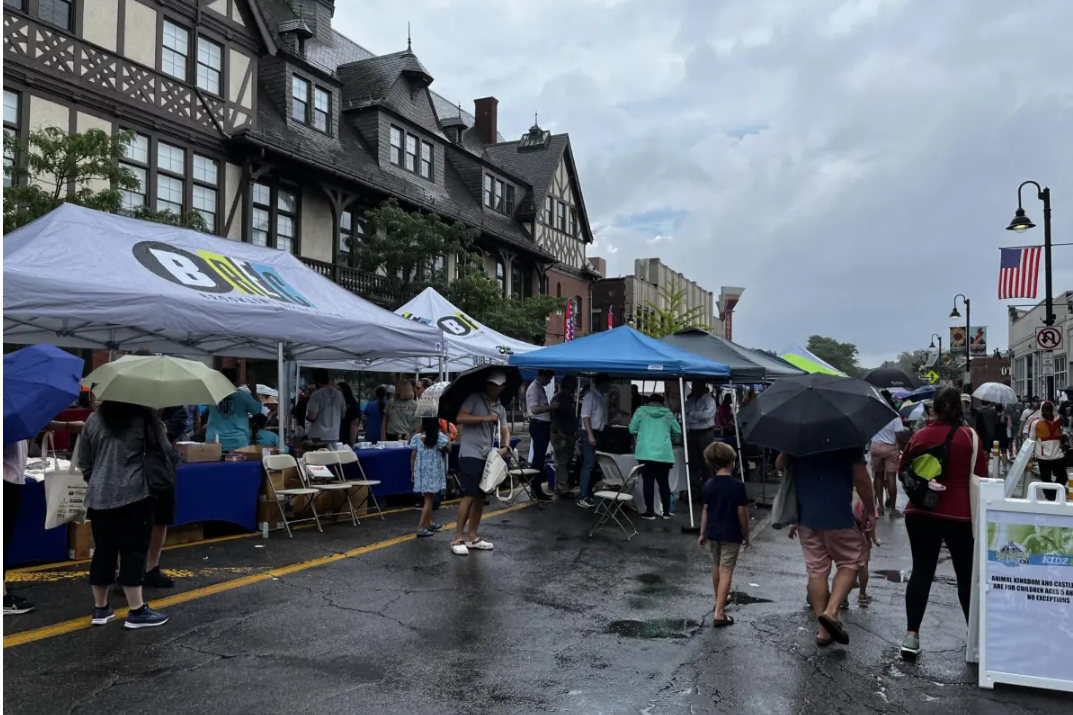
[281, 132]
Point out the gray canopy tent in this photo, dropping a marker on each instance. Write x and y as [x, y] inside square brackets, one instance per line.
[747, 366]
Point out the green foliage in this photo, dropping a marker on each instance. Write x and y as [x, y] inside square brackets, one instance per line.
[407, 244]
[50, 161]
[658, 322]
[842, 356]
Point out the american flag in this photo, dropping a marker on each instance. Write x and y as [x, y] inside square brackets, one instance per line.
[1018, 272]
[568, 321]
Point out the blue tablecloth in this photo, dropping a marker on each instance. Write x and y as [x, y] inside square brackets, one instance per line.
[218, 491]
[391, 467]
[31, 541]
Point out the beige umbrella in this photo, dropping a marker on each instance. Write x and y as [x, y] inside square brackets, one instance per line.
[158, 381]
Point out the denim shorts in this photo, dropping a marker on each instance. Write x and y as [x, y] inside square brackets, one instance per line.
[470, 471]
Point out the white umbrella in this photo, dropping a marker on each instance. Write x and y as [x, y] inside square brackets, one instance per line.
[996, 393]
[916, 413]
[158, 381]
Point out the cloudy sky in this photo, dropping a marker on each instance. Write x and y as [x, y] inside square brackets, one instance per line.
[851, 163]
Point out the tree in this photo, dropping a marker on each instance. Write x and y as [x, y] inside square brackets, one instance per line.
[842, 356]
[50, 161]
[657, 322]
[408, 244]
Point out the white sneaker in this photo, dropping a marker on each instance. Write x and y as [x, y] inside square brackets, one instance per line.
[459, 549]
[480, 544]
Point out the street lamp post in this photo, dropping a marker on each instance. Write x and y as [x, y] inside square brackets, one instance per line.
[1022, 223]
[934, 337]
[968, 336]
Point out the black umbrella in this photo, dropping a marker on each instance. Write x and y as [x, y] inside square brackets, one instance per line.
[476, 380]
[815, 413]
[890, 378]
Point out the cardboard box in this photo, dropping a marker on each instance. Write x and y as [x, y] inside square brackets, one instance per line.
[79, 541]
[191, 452]
[185, 534]
[255, 453]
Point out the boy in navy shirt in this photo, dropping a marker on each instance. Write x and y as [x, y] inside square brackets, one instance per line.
[724, 523]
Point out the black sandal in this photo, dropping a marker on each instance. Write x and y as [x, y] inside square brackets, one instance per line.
[834, 628]
[724, 622]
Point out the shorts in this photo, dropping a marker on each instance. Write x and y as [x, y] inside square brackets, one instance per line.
[885, 458]
[845, 547]
[724, 553]
[164, 509]
[470, 471]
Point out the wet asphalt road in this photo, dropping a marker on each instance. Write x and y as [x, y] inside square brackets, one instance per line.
[551, 621]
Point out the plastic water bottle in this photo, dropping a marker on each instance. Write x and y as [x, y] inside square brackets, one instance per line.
[264, 529]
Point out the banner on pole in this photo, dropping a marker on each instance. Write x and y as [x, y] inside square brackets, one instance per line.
[977, 339]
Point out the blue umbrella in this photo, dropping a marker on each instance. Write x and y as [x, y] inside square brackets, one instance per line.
[39, 381]
[923, 393]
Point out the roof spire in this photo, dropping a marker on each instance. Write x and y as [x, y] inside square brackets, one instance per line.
[409, 47]
[460, 109]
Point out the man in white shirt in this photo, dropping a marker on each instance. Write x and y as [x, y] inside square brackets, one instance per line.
[593, 421]
[1030, 414]
[701, 407]
[536, 401]
[325, 410]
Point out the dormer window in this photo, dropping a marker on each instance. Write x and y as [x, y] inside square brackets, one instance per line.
[311, 104]
[498, 195]
[535, 138]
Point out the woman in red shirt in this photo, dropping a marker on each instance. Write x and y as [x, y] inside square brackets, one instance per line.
[951, 519]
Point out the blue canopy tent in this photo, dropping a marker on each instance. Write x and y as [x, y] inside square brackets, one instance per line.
[627, 353]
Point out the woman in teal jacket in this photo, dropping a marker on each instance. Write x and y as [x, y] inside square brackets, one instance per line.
[653, 425]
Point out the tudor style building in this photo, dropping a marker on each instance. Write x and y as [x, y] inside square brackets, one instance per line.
[282, 132]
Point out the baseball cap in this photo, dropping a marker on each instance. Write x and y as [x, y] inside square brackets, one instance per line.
[497, 377]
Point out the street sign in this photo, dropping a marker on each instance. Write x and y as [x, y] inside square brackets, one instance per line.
[933, 377]
[1048, 338]
[1048, 365]
[933, 355]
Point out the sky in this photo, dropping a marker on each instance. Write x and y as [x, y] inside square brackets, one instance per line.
[852, 164]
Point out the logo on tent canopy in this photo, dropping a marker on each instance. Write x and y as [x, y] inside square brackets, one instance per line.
[215, 273]
[460, 325]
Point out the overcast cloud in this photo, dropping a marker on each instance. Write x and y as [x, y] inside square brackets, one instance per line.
[852, 164]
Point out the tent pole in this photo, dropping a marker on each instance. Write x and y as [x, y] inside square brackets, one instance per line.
[737, 435]
[283, 411]
[692, 528]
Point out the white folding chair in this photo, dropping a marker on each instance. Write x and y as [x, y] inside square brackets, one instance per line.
[276, 466]
[523, 474]
[610, 503]
[349, 457]
[332, 484]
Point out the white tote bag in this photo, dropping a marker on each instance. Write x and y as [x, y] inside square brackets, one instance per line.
[495, 468]
[65, 492]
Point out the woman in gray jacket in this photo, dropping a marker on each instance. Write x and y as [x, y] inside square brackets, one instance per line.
[119, 504]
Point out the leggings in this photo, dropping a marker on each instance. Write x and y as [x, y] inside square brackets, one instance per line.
[926, 537]
[651, 473]
[122, 533]
[1052, 470]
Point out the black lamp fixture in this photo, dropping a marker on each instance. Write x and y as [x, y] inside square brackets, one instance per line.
[968, 337]
[1020, 222]
[934, 337]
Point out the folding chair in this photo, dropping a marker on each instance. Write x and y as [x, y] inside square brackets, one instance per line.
[610, 503]
[524, 475]
[275, 465]
[348, 457]
[327, 459]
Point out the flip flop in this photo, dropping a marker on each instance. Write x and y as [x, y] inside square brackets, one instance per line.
[864, 600]
[834, 628]
[824, 642]
[723, 623]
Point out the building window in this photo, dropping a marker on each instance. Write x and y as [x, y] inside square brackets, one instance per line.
[495, 192]
[509, 210]
[206, 172]
[171, 173]
[573, 222]
[12, 105]
[16, 4]
[54, 12]
[549, 211]
[136, 161]
[560, 222]
[300, 100]
[176, 50]
[517, 281]
[411, 153]
[501, 277]
[489, 190]
[499, 196]
[322, 109]
[1061, 366]
[426, 160]
[351, 232]
[275, 217]
[597, 321]
[578, 313]
[558, 290]
[209, 65]
[396, 146]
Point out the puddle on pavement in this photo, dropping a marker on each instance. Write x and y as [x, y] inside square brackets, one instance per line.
[893, 575]
[657, 628]
[744, 599]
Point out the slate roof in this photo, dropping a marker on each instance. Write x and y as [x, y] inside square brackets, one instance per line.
[536, 166]
[368, 82]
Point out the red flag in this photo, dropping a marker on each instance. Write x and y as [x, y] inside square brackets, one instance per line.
[568, 321]
[610, 318]
[1018, 272]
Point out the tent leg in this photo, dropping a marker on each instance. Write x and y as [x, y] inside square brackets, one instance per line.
[692, 528]
[283, 406]
[737, 436]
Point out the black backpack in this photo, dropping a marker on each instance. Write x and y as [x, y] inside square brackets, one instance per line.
[923, 468]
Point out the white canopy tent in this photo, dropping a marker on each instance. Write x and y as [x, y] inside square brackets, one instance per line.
[80, 278]
[467, 343]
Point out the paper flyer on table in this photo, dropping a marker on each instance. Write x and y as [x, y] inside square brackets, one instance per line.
[1029, 578]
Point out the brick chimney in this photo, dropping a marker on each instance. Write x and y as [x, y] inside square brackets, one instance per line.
[486, 111]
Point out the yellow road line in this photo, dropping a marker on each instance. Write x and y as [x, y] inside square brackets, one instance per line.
[78, 624]
[216, 540]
